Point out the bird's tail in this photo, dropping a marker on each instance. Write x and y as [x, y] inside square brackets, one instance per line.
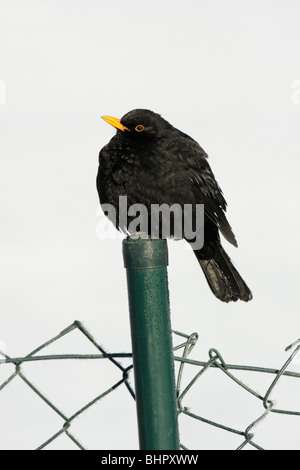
[222, 277]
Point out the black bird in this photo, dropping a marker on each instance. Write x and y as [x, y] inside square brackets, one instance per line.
[151, 162]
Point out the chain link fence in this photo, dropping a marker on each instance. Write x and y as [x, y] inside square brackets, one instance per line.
[195, 370]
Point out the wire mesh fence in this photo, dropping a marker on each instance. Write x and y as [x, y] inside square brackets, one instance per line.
[198, 370]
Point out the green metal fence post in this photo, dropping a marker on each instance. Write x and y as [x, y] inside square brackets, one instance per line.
[146, 263]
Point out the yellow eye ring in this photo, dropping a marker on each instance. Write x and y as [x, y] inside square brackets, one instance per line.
[139, 128]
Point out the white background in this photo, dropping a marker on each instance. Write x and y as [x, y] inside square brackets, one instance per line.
[225, 72]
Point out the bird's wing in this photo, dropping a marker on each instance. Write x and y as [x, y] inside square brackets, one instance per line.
[207, 191]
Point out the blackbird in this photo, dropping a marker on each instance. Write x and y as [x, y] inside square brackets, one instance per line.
[151, 162]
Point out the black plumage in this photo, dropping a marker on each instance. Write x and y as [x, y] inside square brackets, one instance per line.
[152, 162]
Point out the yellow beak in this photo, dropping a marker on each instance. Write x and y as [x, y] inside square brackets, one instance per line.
[115, 122]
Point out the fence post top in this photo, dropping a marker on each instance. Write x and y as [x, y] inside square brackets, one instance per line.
[145, 253]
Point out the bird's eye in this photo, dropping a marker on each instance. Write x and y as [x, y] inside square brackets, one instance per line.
[139, 128]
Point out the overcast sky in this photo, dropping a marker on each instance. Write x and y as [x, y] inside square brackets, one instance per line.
[228, 74]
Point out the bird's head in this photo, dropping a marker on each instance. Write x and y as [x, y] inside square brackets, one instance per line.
[139, 124]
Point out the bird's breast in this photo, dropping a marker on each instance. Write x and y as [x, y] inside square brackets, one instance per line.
[147, 174]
